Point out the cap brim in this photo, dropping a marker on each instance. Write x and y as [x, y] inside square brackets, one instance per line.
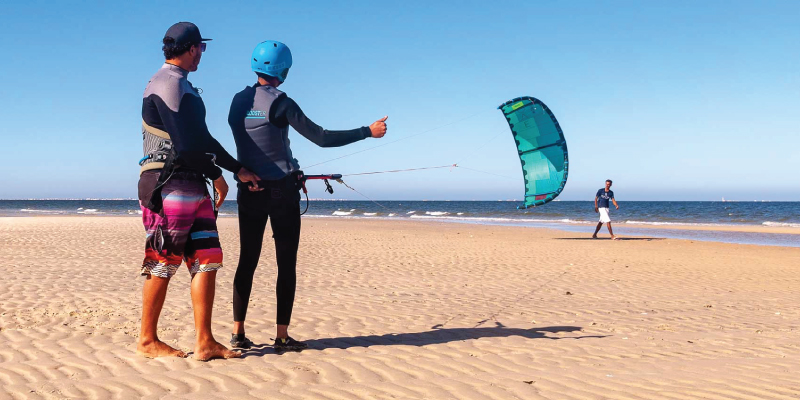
[205, 40]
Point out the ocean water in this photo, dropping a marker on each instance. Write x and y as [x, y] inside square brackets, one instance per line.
[566, 215]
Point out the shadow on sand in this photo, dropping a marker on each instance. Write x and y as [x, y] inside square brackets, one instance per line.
[608, 238]
[435, 336]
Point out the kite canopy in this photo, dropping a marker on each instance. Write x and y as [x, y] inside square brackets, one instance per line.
[541, 146]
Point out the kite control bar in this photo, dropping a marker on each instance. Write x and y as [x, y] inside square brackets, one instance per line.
[302, 178]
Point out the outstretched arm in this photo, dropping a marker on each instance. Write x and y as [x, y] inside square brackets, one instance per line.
[286, 109]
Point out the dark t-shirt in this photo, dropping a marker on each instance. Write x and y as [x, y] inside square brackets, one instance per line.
[603, 197]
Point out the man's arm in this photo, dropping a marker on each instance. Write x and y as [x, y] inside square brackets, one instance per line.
[286, 111]
[615, 202]
[595, 205]
[224, 159]
[194, 144]
[192, 111]
[188, 149]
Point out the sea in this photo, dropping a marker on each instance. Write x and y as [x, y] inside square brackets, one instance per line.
[634, 219]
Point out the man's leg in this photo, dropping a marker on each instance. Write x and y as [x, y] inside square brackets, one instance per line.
[204, 258]
[163, 256]
[153, 296]
[203, 284]
[610, 231]
[599, 225]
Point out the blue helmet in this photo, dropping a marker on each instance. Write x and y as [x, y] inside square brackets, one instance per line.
[272, 58]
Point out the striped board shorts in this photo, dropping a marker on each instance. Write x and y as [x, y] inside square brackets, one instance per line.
[185, 230]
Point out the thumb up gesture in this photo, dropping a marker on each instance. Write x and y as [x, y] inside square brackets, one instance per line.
[378, 128]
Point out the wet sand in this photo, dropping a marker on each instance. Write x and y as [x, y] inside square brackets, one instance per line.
[784, 230]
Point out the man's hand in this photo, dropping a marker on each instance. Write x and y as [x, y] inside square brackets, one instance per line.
[596, 210]
[616, 206]
[378, 128]
[245, 176]
[221, 187]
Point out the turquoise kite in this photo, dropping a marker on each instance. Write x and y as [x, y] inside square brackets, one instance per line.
[541, 146]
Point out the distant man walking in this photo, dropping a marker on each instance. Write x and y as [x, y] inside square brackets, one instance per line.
[601, 206]
[178, 216]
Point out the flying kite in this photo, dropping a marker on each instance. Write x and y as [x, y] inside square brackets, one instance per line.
[541, 146]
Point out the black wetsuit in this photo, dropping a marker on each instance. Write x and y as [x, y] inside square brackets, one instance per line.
[173, 105]
[260, 117]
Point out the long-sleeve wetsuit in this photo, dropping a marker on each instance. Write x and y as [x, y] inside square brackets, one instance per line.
[285, 112]
[171, 104]
[260, 117]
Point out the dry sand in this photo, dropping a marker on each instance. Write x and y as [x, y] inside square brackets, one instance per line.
[396, 310]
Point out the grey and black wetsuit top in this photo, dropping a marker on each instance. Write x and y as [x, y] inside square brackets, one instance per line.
[172, 109]
[260, 117]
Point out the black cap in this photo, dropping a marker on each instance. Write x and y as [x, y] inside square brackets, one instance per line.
[184, 33]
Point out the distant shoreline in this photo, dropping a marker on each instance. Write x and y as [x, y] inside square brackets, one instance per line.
[511, 200]
[732, 234]
[763, 223]
[749, 228]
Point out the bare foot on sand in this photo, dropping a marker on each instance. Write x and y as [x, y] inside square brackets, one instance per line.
[594, 236]
[212, 350]
[158, 348]
[613, 237]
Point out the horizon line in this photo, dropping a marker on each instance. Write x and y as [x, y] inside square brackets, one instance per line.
[423, 200]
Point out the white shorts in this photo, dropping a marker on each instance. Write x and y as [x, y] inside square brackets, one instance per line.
[604, 217]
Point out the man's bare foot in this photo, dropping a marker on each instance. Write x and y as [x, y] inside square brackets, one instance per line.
[158, 348]
[594, 236]
[212, 350]
[613, 237]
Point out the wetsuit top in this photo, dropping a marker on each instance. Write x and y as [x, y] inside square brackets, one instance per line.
[260, 117]
[603, 197]
[172, 106]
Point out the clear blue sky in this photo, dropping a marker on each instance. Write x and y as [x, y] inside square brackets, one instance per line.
[678, 100]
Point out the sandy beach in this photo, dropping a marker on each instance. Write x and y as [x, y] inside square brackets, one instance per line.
[781, 230]
[410, 310]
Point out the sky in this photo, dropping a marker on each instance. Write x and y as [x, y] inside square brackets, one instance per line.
[678, 100]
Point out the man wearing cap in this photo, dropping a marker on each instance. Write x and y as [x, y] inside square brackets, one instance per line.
[260, 118]
[177, 211]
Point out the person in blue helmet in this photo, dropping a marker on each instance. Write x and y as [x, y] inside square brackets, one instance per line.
[260, 117]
